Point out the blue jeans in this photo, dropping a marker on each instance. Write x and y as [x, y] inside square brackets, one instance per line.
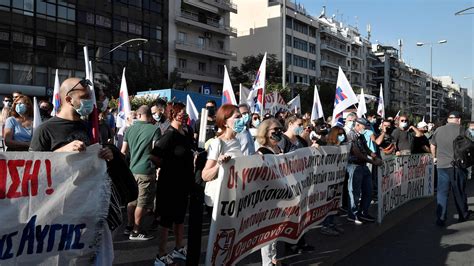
[456, 178]
[359, 183]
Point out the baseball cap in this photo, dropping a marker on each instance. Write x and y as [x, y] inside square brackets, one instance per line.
[363, 121]
[422, 124]
[454, 114]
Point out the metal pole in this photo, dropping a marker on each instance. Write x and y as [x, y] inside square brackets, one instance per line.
[283, 54]
[431, 83]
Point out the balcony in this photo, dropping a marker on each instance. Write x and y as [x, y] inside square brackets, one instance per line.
[356, 70]
[222, 4]
[326, 63]
[333, 49]
[190, 18]
[192, 74]
[334, 33]
[371, 69]
[204, 50]
[356, 56]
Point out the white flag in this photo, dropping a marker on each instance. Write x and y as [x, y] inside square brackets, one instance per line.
[295, 104]
[345, 96]
[381, 107]
[317, 110]
[56, 96]
[191, 111]
[124, 103]
[362, 108]
[243, 93]
[228, 96]
[36, 114]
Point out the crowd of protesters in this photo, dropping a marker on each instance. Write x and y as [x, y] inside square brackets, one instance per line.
[161, 151]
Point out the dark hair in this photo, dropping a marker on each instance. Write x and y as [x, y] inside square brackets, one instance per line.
[331, 137]
[223, 113]
[211, 101]
[27, 101]
[244, 105]
[160, 103]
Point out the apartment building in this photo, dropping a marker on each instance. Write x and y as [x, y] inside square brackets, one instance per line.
[38, 37]
[198, 43]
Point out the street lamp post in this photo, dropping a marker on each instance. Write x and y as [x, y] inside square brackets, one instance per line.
[472, 96]
[431, 73]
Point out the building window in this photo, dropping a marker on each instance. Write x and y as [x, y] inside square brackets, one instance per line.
[300, 44]
[288, 40]
[220, 44]
[300, 61]
[312, 64]
[181, 36]
[312, 48]
[4, 73]
[201, 41]
[41, 76]
[300, 27]
[288, 59]
[289, 22]
[202, 66]
[312, 32]
[22, 74]
[182, 63]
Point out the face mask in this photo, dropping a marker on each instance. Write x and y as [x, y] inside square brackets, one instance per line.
[20, 108]
[157, 117]
[373, 121]
[246, 118]
[362, 132]
[276, 136]
[44, 112]
[403, 124]
[388, 130]
[298, 130]
[211, 111]
[350, 124]
[85, 108]
[134, 121]
[341, 138]
[239, 125]
[256, 123]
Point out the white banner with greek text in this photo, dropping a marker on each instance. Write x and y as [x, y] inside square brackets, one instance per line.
[402, 179]
[52, 206]
[273, 197]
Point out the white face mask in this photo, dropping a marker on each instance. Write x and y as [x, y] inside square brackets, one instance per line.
[403, 124]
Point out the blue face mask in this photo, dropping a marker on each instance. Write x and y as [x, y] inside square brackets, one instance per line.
[256, 123]
[341, 138]
[20, 108]
[246, 118]
[85, 108]
[298, 130]
[239, 125]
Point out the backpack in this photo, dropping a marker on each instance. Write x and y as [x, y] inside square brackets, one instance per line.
[463, 151]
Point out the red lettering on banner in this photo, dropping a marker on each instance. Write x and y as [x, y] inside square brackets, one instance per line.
[25, 184]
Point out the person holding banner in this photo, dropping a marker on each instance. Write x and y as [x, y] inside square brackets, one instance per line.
[269, 135]
[66, 132]
[174, 155]
[19, 126]
[360, 178]
[226, 146]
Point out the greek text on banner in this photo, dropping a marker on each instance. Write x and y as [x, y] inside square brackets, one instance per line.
[273, 197]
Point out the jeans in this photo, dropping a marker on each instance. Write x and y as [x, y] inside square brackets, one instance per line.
[359, 183]
[456, 178]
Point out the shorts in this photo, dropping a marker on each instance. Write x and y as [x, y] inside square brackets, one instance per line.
[146, 191]
[172, 210]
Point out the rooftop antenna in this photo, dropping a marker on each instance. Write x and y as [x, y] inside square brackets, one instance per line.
[323, 13]
[368, 31]
[400, 45]
[356, 22]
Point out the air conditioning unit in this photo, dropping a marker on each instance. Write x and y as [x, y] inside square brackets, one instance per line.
[207, 35]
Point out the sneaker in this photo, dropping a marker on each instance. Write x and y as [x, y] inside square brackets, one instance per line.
[140, 236]
[463, 219]
[325, 230]
[354, 220]
[128, 230]
[440, 223]
[366, 218]
[165, 260]
[179, 253]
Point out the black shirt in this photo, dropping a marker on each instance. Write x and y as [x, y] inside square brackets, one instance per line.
[403, 139]
[57, 132]
[419, 142]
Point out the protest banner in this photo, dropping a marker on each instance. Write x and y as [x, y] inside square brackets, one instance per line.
[53, 207]
[402, 179]
[264, 198]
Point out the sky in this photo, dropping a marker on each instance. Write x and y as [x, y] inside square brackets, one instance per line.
[413, 21]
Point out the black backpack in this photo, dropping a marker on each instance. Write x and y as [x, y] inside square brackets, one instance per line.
[463, 151]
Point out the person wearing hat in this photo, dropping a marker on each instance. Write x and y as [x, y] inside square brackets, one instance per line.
[448, 175]
[421, 144]
[360, 178]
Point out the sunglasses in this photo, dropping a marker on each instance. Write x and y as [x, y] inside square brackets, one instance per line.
[402, 120]
[83, 82]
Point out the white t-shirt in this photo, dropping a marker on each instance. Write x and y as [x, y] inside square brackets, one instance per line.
[216, 148]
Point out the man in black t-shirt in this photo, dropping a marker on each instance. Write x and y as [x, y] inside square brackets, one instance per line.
[403, 137]
[421, 144]
[66, 132]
